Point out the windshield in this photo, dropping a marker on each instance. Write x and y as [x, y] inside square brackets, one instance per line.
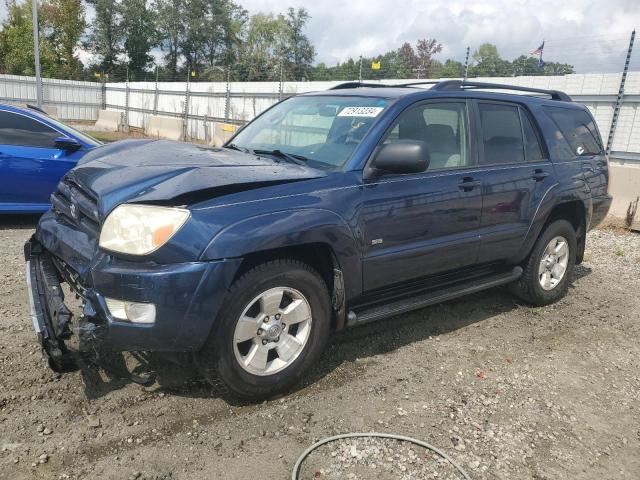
[321, 130]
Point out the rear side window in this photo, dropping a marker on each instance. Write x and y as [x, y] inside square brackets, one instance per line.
[501, 134]
[577, 129]
[21, 130]
[532, 149]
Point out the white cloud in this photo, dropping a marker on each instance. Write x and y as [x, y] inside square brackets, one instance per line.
[591, 34]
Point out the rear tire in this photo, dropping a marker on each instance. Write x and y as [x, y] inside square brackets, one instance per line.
[273, 324]
[549, 269]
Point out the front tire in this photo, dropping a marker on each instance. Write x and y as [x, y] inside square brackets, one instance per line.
[548, 270]
[273, 324]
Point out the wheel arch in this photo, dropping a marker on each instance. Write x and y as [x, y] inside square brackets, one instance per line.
[573, 209]
[318, 237]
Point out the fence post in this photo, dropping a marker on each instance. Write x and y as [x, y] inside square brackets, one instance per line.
[360, 71]
[185, 117]
[155, 95]
[280, 82]
[618, 104]
[227, 102]
[103, 93]
[466, 64]
[206, 129]
[126, 104]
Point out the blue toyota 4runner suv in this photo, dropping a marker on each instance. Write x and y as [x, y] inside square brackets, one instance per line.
[330, 209]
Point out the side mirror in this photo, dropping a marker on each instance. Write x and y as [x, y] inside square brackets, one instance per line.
[403, 156]
[68, 144]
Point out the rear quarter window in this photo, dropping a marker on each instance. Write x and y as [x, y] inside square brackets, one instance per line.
[576, 135]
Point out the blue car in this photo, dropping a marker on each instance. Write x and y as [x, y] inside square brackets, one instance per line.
[329, 210]
[35, 152]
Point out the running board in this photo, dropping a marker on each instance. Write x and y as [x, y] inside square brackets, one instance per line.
[430, 298]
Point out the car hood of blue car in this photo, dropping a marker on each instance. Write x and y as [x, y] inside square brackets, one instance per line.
[163, 171]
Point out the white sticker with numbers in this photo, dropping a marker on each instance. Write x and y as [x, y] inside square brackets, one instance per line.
[360, 111]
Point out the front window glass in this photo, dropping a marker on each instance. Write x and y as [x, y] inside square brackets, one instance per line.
[322, 130]
[21, 130]
[442, 126]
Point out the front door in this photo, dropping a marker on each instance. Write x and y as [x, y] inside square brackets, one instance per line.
[416, 225]
[30, 165]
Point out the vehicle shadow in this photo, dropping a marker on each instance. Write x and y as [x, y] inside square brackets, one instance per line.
[25, 221]
[180, 377]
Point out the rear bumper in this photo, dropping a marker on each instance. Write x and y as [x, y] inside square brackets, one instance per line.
[600, 209]
[187, 297]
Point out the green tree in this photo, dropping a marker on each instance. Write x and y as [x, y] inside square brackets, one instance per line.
[299, 50]
[556, 68]
[16, 43]
[169, 31]
[452, 69]
[63, 25]
[488, 63]
[138, 31]
[105, 34]
[262, 49]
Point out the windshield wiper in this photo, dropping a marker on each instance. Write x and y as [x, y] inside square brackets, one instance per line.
[292, 157]
[233, 146]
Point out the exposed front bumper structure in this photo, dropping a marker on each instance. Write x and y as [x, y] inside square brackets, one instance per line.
[186, 296]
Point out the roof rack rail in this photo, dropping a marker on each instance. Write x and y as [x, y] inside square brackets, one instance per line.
[341, 86]
[447, 85]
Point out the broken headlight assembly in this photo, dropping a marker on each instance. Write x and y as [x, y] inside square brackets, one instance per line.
[141, 229]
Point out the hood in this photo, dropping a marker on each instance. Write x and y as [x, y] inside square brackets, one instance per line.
[163, 171]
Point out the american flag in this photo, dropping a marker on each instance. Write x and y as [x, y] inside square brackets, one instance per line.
[538, 51]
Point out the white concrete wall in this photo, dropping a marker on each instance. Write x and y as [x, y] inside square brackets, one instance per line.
[596, 91]
[76, 100]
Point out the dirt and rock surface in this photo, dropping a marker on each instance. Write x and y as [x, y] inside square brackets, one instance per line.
[508, 391]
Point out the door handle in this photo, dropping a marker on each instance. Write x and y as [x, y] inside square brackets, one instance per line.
[468, 183]
[539, 174]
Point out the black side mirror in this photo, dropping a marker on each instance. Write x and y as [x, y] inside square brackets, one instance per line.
[68, 144]
[403, 156]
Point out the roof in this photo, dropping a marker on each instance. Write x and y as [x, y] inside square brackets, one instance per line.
[465, 89]
[28, 109]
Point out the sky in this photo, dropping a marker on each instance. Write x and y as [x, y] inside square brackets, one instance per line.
[592, 35]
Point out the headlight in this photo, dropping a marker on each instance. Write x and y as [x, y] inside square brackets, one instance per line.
[140, 229]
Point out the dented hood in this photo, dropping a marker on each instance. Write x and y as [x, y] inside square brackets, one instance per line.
[166, 171]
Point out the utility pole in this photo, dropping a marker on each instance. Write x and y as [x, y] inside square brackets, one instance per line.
[36, 53]
[360, 74]
[466, 65]
[618, 104]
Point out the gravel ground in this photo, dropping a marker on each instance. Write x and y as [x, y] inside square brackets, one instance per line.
[508, 391]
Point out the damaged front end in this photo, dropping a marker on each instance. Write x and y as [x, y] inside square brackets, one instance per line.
[51, 317]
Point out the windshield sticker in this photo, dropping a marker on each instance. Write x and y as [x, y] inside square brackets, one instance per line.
[360, 111]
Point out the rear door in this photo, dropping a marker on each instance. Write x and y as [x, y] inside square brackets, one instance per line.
[416, 225]
[30, 165]
[516, 173]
